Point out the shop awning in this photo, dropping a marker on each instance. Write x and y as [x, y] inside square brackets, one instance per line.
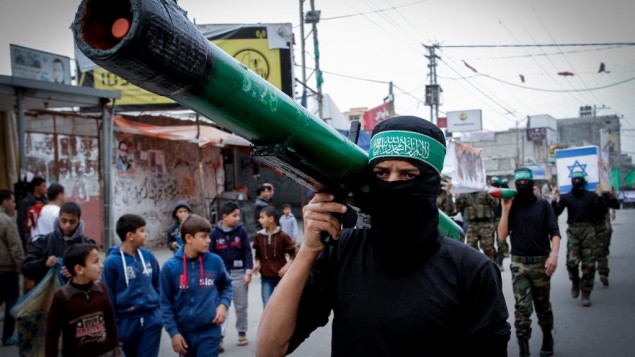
[207, 135]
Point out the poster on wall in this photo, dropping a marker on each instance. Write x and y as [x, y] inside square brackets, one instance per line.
[77, 166]
[156, 162]
[464, 165]
[73, 162]
[124, 154]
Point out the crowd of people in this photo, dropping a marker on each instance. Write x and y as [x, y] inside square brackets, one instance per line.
[120, 305]
[396, 288]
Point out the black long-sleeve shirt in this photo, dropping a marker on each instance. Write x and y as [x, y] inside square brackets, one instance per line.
[531, 228]
[587, 208]
[611, 202]
[452, 302]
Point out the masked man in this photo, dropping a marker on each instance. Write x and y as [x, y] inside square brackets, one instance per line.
[398, 288]
[583, 208]
[533, 228]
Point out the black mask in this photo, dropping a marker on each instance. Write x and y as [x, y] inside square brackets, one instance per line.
[404, 219]
[577, 187]
[525, 192]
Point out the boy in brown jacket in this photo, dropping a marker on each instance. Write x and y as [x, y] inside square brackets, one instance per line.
[272, 246]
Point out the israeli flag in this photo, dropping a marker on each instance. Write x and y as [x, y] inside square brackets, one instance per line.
[584, 159]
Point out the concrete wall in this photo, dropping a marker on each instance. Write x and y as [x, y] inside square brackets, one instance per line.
[162, 172]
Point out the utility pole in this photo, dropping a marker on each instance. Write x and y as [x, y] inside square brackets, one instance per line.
[302, 45]
[390, 99]
[313, 17]
[433, 90]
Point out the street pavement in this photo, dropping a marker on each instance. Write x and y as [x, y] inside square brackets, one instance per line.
[604, 329]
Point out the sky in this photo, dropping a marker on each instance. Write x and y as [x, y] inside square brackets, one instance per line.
[364, 44]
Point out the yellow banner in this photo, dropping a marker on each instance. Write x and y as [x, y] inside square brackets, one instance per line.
[130, 94]
[254, 53]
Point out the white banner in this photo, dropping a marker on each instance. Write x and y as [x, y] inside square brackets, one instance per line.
[464, 164]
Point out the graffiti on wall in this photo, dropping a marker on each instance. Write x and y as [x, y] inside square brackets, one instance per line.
[164, 172]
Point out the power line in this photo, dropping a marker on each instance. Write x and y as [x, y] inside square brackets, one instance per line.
[351, 77]
[497, 102]
[558, 90]
[545, 45]
[546, 54]
[372, 12]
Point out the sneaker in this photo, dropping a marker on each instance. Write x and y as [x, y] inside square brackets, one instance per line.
[11, 341]
[242, 340]
[605, 280]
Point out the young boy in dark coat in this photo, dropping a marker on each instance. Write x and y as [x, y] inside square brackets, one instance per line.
[81, 310]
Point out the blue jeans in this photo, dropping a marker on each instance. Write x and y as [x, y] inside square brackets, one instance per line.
[267, 286]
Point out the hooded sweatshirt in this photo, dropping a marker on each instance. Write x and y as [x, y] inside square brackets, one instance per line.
[271, 250]
[132, 282]
[232, 245]
[191, 289]
[174, 233]
[34, 266]
[289, 225]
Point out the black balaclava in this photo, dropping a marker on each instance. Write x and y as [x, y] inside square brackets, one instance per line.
[404, 214]
[578, 183]
[525, 191]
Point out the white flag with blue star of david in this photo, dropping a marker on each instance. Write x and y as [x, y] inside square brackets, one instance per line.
[584, 159]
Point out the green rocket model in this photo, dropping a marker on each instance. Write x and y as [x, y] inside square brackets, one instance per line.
[153, 45]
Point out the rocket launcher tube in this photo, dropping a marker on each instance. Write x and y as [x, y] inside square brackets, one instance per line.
[163, 52]
[502, 193]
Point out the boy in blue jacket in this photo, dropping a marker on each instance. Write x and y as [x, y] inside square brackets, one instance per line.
[231, 242]
[196, 292]
[131, 274]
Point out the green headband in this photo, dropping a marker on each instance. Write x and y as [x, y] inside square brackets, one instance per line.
[523, 175]
[408, 145]
[577, 174]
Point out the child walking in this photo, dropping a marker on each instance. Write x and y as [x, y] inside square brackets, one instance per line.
[288, 223]
[181, 210]
[231, 241]
[195, 292]
[272, 246]
[131, 274]
[81, 311]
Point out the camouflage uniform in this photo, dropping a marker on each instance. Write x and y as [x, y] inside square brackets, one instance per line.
[445, 203]
[531, 285]
[581, 244]
[603, 232]
[480, 216]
